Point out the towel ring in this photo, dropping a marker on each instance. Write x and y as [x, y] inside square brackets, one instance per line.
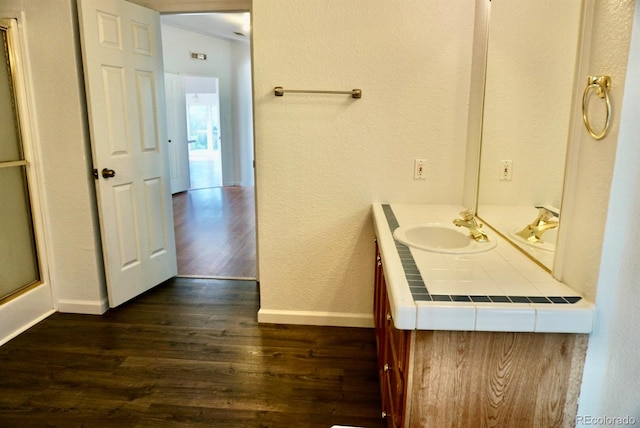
[601, 84]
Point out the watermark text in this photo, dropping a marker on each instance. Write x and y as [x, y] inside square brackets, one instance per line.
[605, 420]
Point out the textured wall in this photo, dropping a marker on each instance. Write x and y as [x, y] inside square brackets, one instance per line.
[611, 379]
[589, 182]
[322, 160]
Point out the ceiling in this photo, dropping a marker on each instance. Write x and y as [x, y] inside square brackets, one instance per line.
[230, 26]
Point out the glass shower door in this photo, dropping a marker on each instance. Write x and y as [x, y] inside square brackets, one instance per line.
[18, 255]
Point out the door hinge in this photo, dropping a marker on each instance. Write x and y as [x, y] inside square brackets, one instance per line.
[95, 173]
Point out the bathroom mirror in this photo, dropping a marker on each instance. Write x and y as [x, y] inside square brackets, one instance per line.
[530, 69]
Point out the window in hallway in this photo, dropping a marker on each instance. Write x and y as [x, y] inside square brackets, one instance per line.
[203, 124]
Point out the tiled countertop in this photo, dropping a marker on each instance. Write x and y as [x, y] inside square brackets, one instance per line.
[511, 219]
[498, 290]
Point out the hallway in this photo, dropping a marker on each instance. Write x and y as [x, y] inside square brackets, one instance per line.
[215, 232]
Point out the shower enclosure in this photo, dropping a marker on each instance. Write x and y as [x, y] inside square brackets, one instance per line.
[19, 268]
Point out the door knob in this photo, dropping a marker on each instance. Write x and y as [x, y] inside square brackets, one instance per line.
[107, 173]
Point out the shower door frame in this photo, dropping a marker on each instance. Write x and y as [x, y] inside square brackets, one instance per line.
[19, 79]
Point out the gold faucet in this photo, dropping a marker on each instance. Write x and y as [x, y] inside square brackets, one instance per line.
[468, 220]
[545, 221]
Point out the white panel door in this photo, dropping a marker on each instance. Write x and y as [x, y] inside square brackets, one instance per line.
[122, 55]
[177, 132]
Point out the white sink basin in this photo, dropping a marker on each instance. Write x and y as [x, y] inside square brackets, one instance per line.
[441, 238]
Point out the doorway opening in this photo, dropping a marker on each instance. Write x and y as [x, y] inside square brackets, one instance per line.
[203, 126]
[208, 75]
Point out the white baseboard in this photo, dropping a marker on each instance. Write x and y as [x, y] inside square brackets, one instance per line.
[25, 311]
[25, 327]
[334, 319]
[89, 307]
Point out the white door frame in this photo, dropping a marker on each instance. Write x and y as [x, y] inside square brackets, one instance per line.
[36, 302]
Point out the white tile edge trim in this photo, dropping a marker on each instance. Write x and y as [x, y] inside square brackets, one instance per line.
[511, 317]
[439, 316]
[403, 307]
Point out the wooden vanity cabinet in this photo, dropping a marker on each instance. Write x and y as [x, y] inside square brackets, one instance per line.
[393, 354]
[474, 378]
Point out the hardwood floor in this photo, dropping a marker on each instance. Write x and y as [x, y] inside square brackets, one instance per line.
[205, 169]
[215, 232]
[188, 353]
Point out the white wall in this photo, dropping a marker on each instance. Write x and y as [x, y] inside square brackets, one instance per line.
[588, 183]
[321, 160]
[242, 118]
[611, 379]
[63, 158]
[227, 61]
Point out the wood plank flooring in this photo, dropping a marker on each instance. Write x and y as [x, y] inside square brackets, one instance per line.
[215, 232]
[188, 353]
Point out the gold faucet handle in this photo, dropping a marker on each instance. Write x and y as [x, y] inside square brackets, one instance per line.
[467, 214]
[545, 214]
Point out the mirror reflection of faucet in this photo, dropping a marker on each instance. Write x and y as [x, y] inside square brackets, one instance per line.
[468, 220]
[546, 220]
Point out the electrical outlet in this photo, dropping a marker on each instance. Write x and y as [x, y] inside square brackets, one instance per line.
[506, 170]
[419, 172]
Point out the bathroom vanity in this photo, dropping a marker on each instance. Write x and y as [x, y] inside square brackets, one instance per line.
[481, 337]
